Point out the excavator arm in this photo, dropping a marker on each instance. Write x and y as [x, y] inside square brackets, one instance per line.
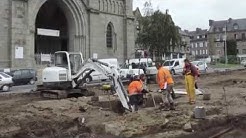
[94, 65]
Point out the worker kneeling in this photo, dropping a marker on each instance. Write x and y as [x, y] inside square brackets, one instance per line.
[165, 82]
[136, 91]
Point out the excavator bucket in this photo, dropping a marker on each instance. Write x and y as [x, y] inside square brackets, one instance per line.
[121, 92]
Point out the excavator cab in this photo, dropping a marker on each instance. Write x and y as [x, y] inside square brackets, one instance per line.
[72, 61]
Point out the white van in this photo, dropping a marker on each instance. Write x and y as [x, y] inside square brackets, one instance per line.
[146, 64]
[98, 76]
[175, 65]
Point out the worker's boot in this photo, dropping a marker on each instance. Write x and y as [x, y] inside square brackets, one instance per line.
[173, 95]
[172, 106]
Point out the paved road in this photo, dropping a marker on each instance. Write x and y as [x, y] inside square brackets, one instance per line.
[23, 88]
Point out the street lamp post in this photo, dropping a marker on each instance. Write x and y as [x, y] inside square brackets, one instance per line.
[226, 58]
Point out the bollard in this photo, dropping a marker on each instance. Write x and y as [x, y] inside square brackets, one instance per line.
[199, 112]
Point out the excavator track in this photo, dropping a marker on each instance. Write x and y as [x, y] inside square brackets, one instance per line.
[62, 94]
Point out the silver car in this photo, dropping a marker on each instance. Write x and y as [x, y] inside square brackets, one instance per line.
[202, 66]
[5, 82]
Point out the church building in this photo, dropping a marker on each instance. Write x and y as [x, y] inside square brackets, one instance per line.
[30, 28]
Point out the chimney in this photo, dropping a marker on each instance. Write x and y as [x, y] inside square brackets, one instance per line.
[229, 20]
[198, 29]
[211, 22]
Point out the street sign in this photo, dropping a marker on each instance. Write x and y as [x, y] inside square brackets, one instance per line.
[48, 32]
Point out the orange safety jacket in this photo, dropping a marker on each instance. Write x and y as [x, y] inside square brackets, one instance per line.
[135, 87]
[164, 76]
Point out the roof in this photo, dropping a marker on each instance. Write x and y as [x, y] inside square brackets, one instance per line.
[217, 26]
[137, 13]
[183, 33]
[198, 35]
[198, 31]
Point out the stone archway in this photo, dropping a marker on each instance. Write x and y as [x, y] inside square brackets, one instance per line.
[77, 28]
[51, 29]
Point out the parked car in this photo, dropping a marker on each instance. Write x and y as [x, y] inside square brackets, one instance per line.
[5, 82]
[202, 66]
[175, 65]
[24, 76]
[243, 62]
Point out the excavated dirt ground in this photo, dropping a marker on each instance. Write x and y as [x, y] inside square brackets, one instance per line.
[28, 115]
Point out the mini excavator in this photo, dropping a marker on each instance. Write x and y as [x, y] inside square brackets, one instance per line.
[70, 72]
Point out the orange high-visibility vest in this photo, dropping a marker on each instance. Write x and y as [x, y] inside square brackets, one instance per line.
[164, 76]
[135, 87]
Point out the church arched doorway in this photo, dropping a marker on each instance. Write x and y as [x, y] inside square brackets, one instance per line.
[51, 29]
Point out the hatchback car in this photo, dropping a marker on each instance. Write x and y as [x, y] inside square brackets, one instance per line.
[5, 82]
[24, 76]
[202, 66]
[243, 62]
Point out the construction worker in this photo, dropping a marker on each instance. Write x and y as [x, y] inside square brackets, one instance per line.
[165, 81]
[136, 91]
[191, 74]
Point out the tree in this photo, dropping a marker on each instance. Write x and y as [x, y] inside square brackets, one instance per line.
[158, 33]
[148, 9]
[231, 47]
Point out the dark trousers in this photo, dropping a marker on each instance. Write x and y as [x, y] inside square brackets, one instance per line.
[136, 100]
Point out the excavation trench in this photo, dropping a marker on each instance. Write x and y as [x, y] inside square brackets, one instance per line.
[217, 127]
[43, 121]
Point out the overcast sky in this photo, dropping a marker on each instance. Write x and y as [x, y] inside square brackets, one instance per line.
[189, 14]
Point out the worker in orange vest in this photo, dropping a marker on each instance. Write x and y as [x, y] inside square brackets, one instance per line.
[165, 81]
[136, 91]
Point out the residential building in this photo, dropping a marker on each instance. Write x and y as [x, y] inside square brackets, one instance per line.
[182, 50]
[231, 29]
[31, 27]
[199, 43]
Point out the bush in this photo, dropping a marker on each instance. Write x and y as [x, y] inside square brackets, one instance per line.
[232, 59]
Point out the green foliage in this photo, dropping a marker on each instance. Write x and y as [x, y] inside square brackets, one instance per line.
[158, 33]
[231, 47]
[232, 59]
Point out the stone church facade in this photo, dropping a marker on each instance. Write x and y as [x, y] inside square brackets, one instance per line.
[105, 27]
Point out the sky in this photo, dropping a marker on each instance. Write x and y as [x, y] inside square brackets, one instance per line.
[190, 14]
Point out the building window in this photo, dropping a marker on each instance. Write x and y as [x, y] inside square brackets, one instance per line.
[109, 35]
[195, 45]
[206, 51]
[204, 44]
[193, 53]
[235, 26]
[235, 36]
[244, 51]
[201, 44]
[243, 36]
[217, 44]
[218, 37]
[198, 44]
[191, 45]
[218, 52]
[196, 52]
[197, 37]
[200, 52]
